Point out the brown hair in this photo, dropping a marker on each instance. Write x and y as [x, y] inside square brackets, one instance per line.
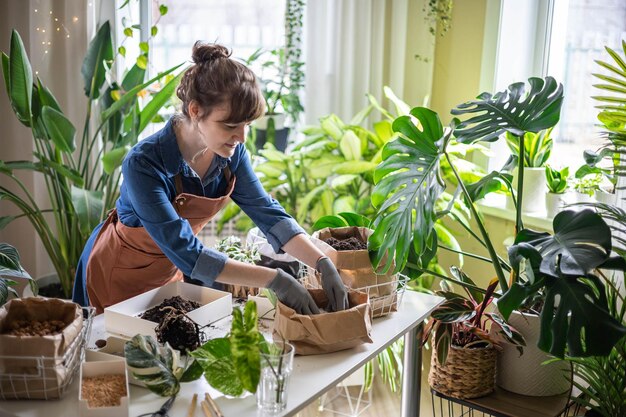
[216, 79]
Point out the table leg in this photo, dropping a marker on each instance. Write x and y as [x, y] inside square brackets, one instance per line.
[412, 372]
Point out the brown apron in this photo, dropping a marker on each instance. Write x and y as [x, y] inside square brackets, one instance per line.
[125, 261]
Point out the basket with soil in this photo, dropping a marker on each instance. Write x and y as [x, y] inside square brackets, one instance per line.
[347, 249]
[41, 343]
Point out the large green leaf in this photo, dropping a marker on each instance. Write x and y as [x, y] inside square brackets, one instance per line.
[350, 146]
[5, 73]
[46, 98]
[219, 370]
[514, 110]
[408, 183]
[113, 159]
[10, 262]
[582, 241]
[133, 78]
[576, 314]
[61, 130]
[88, 205]
[244, 347]
[93, 69]
[21, 80]
[158, 100]
[493, 182]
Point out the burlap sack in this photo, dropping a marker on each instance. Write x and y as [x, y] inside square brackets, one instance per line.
[355, 267]
[325, 332]
[45, 377]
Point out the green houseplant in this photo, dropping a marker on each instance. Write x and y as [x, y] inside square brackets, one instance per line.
[80, 191]
[10, 267]
[556, 181]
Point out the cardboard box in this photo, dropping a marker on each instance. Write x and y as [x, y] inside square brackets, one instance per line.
[90, 369]
[112, 351]
[122, 319]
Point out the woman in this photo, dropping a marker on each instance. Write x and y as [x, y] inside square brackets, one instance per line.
[176, 180]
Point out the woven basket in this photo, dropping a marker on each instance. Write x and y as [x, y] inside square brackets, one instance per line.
[468, 373]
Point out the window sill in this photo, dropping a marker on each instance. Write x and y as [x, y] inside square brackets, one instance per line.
[494, 205]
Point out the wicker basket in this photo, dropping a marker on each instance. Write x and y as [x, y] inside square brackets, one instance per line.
[468, 373]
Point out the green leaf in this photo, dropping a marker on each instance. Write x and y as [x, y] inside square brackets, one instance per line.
[114, 158]
[10, 262]
[61, 130]
[193, 372]
[329, 221]
[142, 61]
[344, 203]
[320, 168]
[305, 202]
[514, 110]
[153, 365]
[163, 9]
[93, 69]
[332, 126]
[341, 182]
[153, 31]
[144, 47]
[408, 184]
[46, 98]
[402, 109]
[128, 32]
[354, 219]
[88, 205]
[350, 146]
[5, 73]
[579, 319]
[157, 102]
[354, 167]
[21, 80]
[219, 370]
[582, 241]
[122, 51]
[493, 182]
[244, 346]
[455, 310]
[5, 220]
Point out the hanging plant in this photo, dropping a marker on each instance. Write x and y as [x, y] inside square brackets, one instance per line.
[439, 13]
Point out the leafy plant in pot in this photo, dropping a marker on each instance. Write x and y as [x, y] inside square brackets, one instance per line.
[408, 182]
[10, 267]
[465, 336]
[80, 191]
[537, 149]
[556, 181]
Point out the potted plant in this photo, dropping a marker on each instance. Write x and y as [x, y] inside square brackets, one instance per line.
[10, 267]
[465, 336]
[556, 181]
[408, 182]
[80, 192]
[585, 186]
[537, 149]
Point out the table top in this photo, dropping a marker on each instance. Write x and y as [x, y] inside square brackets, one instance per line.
[311, 376]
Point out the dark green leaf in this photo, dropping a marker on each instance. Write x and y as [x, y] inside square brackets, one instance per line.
[6, 73]
[61, 130]
[153, 31]
[408, 183]
[193, 372]
[514, 110]
[46, 98]
[455, 310]
[462, 276]
[443, 340]
[493, 182]
[93, 70]
[21, 79]
[88, 205]
[142, 61]
[10, 262]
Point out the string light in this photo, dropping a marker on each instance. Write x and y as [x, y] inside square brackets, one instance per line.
[74, 19]
[36, 10]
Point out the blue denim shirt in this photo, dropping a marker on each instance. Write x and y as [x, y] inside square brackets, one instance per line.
[147, 193]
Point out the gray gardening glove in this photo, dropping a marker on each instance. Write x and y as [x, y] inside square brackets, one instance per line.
[332, 285]
[291, 293]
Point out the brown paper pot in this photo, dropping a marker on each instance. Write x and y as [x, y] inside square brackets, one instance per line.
[46, 377]
[325, 332]
[354, 266]
[468, 373]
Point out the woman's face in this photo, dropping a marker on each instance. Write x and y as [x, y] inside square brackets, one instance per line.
[220, 137]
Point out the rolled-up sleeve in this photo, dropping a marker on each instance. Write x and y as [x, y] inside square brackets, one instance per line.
[278, 226]
[147, 192]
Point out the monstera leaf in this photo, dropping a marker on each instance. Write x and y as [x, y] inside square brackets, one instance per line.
[576, 314]
[408, 183]
[514, 110]
[582, 241]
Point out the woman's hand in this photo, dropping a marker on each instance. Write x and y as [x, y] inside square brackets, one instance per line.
[332, 285]
[291, 293]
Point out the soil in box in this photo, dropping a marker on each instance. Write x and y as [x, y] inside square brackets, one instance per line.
[104, 390]
[351, 243]
[174, 326]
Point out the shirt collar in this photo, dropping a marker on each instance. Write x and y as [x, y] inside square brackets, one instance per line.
[173, 161]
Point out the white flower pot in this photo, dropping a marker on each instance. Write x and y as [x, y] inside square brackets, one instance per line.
[525, 374]
[605, 197]
[535, 188]
[555, 203]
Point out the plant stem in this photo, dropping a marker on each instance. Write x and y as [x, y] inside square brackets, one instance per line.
[492, 252]
[520, 186]
[446, 278]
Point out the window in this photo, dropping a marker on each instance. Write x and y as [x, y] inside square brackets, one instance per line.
[561, 38]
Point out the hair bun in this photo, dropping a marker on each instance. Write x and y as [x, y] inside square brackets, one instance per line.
[206, 52]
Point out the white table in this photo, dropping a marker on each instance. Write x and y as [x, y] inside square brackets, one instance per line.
[312, 375]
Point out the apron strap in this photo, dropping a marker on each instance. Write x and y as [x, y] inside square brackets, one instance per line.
[178, 181]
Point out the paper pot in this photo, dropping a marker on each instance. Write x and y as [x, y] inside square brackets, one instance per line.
[525, 374]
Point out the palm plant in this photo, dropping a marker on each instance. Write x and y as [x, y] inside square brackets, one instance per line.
[80, 190]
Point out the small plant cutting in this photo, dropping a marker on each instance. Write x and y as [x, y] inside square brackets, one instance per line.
[556, 180]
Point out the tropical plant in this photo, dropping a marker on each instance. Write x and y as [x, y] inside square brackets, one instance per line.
[586, 183]
[10, 267]
[463, 321]
[82, 182]
[575, 314]
[602, 379]
[233, 247]
[537, 147]
[556, 180]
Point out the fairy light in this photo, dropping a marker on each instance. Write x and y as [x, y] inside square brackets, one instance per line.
[74, 19]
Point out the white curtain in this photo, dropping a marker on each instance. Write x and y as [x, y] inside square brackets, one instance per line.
[55, 35]
[354, 47]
